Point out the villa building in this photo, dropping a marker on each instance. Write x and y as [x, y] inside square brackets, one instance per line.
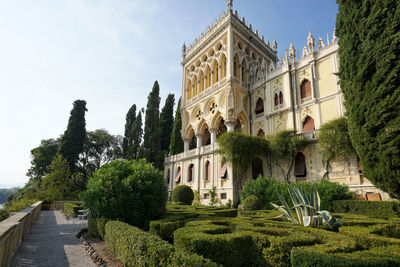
[232, 80]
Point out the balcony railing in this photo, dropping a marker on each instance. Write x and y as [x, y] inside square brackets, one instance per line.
[192, 153]
[311, 135]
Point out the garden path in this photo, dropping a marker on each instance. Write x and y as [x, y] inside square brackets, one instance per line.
[51, 242]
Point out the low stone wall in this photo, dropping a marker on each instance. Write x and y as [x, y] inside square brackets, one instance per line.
[14, 229]
[59, 205]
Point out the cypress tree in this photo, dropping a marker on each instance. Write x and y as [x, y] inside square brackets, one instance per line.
[135, 138]
[176, 137]
[167, 123]
[151, 139]
[74, 137]
[130, 120]
[369, 72]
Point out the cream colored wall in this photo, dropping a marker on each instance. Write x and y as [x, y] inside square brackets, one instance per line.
[325, 77]
[329, 110]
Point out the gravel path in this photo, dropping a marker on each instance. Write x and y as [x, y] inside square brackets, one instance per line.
[52, 242]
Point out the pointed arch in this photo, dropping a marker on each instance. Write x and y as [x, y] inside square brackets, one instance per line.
[308, 124]
[236, 67]
[259, 109]
[208, 76]
[194, 86]
[222, 64]
[244, 121]
[244, 71]
[305, 89]
[261, 133]
[201, 82]
[189, 90]
[215, 72]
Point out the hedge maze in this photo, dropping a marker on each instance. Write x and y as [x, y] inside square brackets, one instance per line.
[256, 238]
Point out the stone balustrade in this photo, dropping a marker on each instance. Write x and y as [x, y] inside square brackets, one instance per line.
[199, 151]
[14, 229]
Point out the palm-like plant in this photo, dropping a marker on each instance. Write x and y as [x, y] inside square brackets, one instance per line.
[307, 209]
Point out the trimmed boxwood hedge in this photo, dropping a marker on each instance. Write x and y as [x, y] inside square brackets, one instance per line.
[252, 203]
[377, 209]
[71, 209]
[96, 227]
[183, 194]
[135, 247]
[213, 240]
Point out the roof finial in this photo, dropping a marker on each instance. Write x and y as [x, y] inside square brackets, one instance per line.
[183, 50]
[229, 4]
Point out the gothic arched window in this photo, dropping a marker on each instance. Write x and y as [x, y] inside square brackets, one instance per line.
[305, 90]
[308, 124]
[190, 172]
[259, 106]
[207, 171]
[261, 133]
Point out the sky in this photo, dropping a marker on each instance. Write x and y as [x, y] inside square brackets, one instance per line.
[109, 53]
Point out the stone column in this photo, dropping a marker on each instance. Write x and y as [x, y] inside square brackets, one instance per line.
[213, 133]
[199, 137]
[230, 125]
[186, 142]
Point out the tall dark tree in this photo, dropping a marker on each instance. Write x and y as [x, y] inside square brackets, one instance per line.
[369, 72]
[130, 120]
[135, 138]
[151, 139]
[167, 123]
[176, 137]
[74, 137]
[42, 157]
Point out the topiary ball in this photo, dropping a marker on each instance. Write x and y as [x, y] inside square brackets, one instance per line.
[183, 194]
[252, 203]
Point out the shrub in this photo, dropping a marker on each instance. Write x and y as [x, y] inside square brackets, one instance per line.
[96, 227]
[378, 209]
[71, 209]
[135, 247]
[213, 240]
[252, 203]
[183, 194]
[130, 191]
[266, 189]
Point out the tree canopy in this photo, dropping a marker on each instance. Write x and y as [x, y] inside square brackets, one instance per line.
[167, 123]
[176, 137]
[151, 139]
[135, 138]
[285, 146]
[240, 151]
[369, 50]
[41, 158]
[74, 137]
[129, 122]
[335, 142]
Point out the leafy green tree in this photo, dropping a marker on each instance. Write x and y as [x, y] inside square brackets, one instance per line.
[129, 191]
[285, 146]
[41, 158]
[74, 137]
[135, 138]
[369, 72]
[335, 143]
[167, 123]
[130, 120]
[5, 192]
[151, 139]
[100, 148]
[240, 151]
[59, 184]
[176, 137]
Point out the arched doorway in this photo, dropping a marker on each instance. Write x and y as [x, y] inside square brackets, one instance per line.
[300, 165]
[257, 168]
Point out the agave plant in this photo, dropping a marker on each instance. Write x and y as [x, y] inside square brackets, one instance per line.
[307, 209]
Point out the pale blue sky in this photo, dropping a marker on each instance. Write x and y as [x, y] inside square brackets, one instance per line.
[109, 52]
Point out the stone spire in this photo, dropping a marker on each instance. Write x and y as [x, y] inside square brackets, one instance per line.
[274, 46]
[183, 50]
[310, 41]
[292, 52]
[229, 4]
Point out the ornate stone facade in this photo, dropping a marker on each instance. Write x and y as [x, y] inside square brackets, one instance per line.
[232, 80]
